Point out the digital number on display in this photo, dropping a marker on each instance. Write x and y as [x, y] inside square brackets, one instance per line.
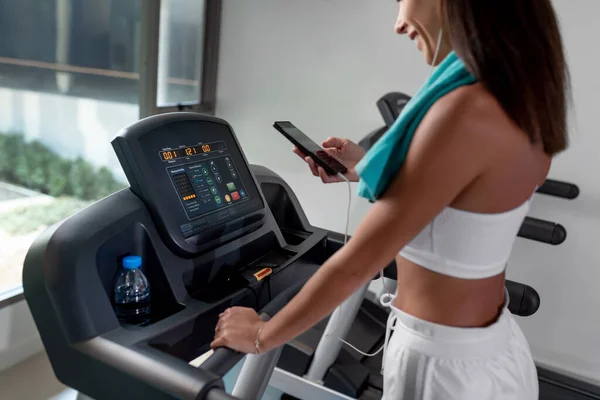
[169, 155]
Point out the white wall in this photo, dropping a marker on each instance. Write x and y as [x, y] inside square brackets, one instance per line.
[320, 64]
[323, 64]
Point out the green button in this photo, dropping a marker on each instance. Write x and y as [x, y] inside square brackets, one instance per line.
[213, 190]
[209, 181]
[218, 199]
[231, 186]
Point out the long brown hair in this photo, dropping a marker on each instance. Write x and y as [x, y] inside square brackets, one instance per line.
[514, 48]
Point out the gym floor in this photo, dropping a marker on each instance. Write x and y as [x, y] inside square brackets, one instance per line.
[33, 379]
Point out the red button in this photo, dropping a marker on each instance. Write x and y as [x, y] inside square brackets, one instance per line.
[235, 195]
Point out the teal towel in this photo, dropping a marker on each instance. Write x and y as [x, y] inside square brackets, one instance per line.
[382, 162]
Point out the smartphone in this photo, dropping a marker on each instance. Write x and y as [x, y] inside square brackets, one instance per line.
[310, 148]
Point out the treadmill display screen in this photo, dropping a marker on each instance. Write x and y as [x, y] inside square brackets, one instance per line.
[208, 186]
[200, 176]
[191, 173]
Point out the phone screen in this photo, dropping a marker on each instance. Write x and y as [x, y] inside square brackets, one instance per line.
[310, 148]
[303, 140]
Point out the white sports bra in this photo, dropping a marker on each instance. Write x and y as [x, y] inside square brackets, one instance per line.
[467, 245]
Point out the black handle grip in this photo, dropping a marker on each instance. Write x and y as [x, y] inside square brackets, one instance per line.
[219, 394]
[368, 141]
[524, 300]
[560, 189]
[542, 231]
[390, 106]
[222, 361]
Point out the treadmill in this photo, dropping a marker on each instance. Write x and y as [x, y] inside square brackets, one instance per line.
[213, 232]
[201, 255]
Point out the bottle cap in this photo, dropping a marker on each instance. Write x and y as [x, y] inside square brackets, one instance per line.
[132, 262]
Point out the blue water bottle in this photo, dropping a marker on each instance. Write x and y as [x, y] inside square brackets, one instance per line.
[132, 293]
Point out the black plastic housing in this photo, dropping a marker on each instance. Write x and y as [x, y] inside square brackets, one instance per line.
[68, 277]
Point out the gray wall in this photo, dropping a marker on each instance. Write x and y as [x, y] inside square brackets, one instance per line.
[323, 64]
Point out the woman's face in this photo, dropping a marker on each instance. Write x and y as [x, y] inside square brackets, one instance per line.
[419, 19]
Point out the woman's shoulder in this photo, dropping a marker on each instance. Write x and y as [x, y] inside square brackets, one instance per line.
[482, 131]
[472, 113]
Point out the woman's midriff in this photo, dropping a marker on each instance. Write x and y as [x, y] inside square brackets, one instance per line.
[446, 300]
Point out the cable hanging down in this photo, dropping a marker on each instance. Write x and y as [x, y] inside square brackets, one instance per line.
[343, 177]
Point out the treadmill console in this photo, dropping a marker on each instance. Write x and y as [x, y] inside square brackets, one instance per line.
[192, 174]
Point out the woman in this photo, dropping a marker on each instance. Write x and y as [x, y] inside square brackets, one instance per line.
[452, 212]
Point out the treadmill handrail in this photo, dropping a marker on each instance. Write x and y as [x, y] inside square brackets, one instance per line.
[153, 367]
[542, 231]
[564, 190]
[390, 112]
[219, 394]
[223, 359]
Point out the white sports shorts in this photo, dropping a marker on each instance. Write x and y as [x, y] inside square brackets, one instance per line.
[427, 361]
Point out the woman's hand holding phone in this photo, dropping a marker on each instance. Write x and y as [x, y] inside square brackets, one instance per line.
[344, 150]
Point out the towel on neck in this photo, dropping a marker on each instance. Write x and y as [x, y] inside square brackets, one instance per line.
[382, 162]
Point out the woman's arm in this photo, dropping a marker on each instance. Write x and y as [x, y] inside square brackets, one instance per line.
[434, 174]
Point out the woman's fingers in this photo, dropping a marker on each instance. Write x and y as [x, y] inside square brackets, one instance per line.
[298, 152]
[308, 160]
[312, 165]
[326, 178]
[314, 168]
[333, 142]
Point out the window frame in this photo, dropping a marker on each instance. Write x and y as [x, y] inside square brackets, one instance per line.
[12, 296]
[149, 48]
[148, 85]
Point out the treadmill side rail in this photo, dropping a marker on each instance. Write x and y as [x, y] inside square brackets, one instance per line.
[167, 374]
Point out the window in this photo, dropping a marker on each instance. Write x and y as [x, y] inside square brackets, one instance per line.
[68, 83]
[73, 73]
[180, 52]
[187, 54]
